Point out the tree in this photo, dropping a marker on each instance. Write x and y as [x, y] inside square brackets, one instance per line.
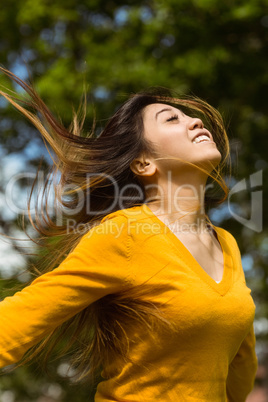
[213, 49]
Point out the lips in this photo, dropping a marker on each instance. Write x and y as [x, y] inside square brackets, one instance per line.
[202, 136]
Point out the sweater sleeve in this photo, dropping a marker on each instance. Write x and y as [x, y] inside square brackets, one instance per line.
[242, 370]
[97, 267]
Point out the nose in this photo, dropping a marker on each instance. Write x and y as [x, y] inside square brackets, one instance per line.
[196, 123]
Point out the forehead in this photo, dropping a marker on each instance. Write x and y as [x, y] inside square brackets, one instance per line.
[151, 111]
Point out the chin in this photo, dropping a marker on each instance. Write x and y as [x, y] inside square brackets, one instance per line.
[211, 162]
[214, 156]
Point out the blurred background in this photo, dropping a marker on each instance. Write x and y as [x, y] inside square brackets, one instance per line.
[214, 49]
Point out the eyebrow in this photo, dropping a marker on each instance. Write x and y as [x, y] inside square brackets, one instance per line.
[166, 109]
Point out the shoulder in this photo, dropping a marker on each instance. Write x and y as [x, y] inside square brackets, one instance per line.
[107, 241]
[115, 227]
[134, 222]
[228, 238]
[225, 233]
[125, 228]
[107, 234]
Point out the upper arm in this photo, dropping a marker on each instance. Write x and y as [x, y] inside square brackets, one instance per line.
[97, 266]
[242, 370]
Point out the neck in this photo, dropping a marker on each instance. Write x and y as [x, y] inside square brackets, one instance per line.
[179, 201]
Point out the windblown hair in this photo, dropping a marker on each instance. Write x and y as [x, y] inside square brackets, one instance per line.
[91, 170]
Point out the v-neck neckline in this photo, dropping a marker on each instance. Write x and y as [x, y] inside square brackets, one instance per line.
[224, 285]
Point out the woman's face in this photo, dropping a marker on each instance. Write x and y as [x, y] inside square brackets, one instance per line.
[175, 134]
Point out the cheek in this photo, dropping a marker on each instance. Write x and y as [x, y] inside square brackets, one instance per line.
[169, 142]
[176, 145]
[173, 140]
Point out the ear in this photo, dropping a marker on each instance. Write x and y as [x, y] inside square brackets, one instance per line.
[143, 166]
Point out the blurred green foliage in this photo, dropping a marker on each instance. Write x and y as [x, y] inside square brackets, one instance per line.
[215, 50]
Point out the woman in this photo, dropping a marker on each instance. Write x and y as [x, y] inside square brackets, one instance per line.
[140, 285]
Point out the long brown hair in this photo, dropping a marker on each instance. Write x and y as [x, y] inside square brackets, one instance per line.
[104, 159]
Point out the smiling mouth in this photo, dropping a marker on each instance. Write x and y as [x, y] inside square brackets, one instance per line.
[201, 138]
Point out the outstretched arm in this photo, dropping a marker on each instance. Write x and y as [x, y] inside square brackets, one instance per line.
[97, 267]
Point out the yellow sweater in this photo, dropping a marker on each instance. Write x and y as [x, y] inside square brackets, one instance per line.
[210, 353]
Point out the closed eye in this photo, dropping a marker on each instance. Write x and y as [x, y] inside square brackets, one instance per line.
[174, 117]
